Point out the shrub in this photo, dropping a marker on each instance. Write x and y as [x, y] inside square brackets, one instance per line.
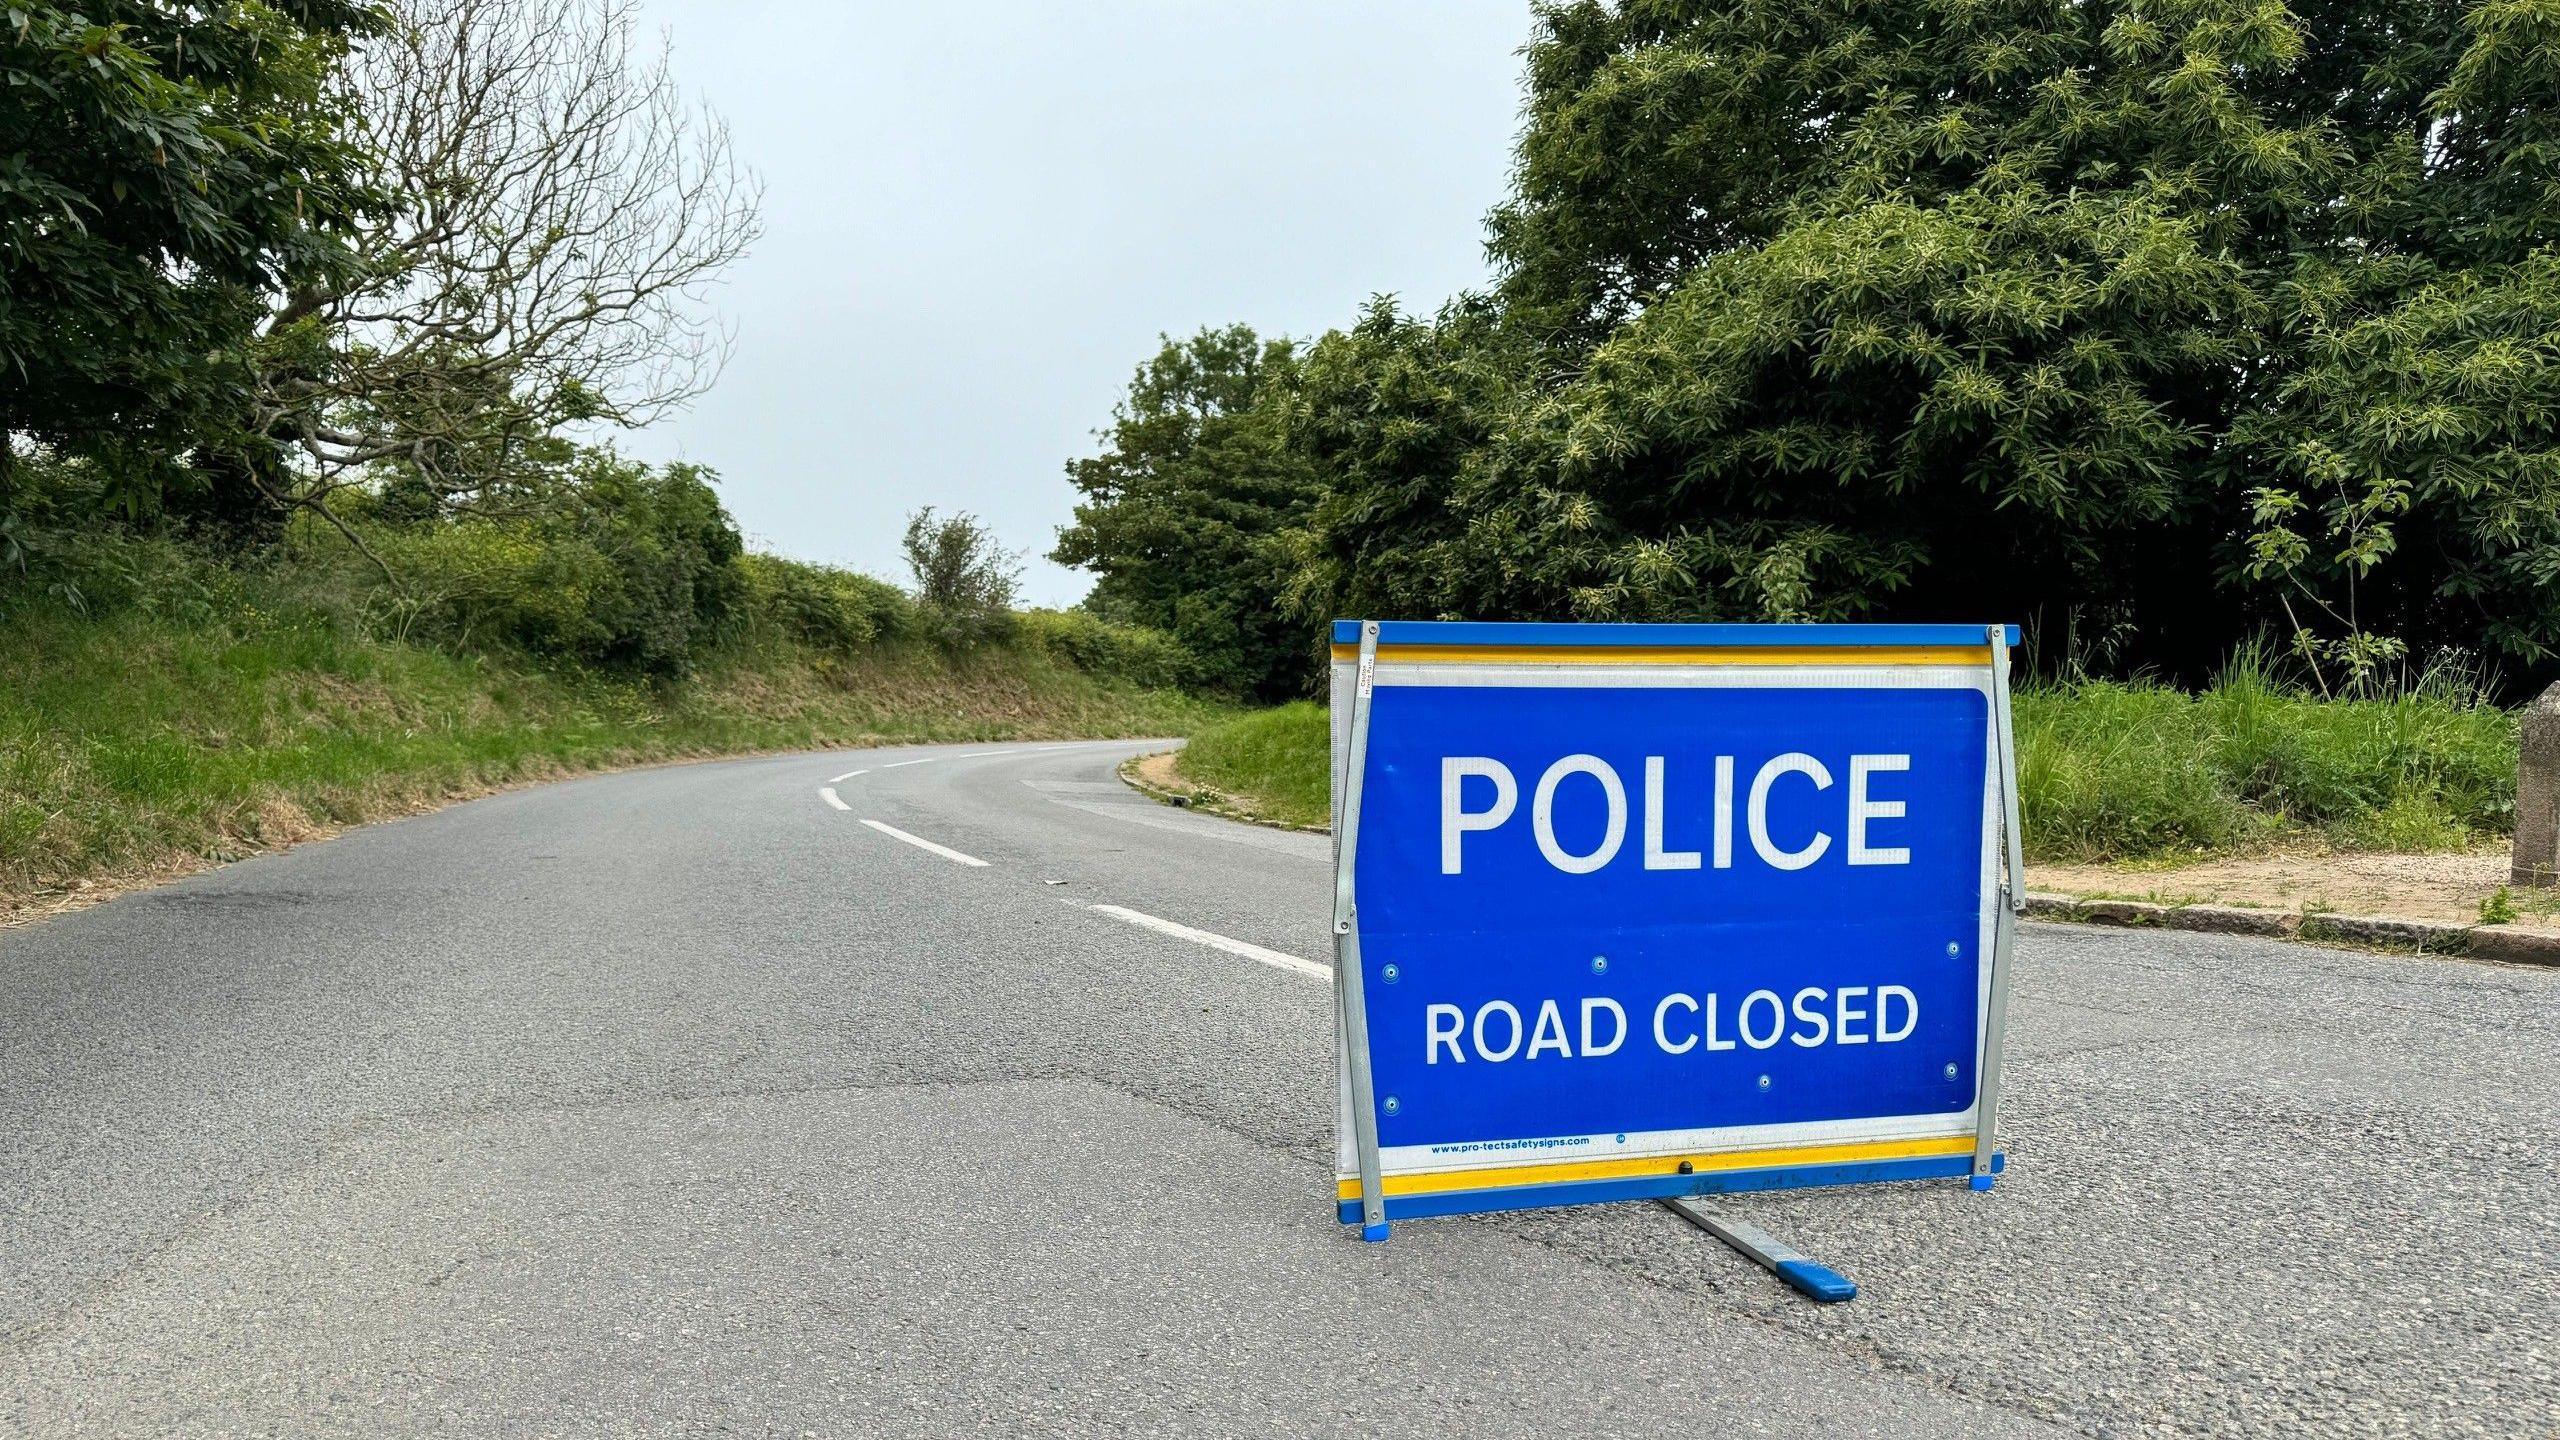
[964, 579]
[489, 583]
[820, 605]
[610, 563]
[1104, 647]
[106, 572]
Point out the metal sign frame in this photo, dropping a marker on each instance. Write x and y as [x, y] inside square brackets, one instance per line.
[1369, 1192]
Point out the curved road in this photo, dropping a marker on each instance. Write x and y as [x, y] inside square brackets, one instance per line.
[703, 1101]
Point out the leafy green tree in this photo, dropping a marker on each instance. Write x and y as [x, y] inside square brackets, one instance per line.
[2079, 313]
[1187, 506]
[163, 169]
[1399, 416]
[2404, 478]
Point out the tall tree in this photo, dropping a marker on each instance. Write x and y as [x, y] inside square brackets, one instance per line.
[2404, 478]
[2023, 308]
[555, 211]
[163, 169]
[1187, 503]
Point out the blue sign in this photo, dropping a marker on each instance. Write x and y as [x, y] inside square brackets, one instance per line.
[1656, 910]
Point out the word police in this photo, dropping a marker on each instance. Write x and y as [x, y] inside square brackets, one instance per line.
[1680, 1023]
[1495, 795]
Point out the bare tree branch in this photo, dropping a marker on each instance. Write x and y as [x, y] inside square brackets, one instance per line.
[556, 213]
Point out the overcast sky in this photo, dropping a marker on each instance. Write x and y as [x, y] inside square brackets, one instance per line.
[979, 218]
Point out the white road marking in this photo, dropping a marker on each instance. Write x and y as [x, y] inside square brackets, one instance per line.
[849, 774]
[1045, 749]
[1273, 958]
[833, 798]
[921, 843]
[901, 764]
[982, 754]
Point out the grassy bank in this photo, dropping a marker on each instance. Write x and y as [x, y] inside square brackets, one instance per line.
[219, 714]
[2112, 771]
[1275, 763]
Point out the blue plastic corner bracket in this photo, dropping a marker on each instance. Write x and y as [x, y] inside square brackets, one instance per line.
[1999, 1162]
[1818, 1282]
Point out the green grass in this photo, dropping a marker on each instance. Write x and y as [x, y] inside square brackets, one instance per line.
[158, 735]
[2111, 771]
[2122, 771]
[1275, 761]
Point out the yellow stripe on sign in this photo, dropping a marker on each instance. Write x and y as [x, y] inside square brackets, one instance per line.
[1562, 1171]
[1674, 654]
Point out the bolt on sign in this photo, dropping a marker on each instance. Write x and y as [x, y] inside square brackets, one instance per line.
[1631, 911]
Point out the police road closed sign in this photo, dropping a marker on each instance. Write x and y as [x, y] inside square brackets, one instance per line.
[1644, 910]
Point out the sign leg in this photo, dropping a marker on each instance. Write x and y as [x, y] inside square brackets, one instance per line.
[1802, 1272]
[1349, 979]
[2004, 930]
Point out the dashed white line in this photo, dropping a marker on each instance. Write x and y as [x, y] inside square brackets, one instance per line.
[921, 843]
[902, 764]
[1273, 958]
[849, 774]
[983, 754]
[829, 791]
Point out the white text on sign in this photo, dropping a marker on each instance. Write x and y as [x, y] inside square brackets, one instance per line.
[1499, 1030]
[1497, 793]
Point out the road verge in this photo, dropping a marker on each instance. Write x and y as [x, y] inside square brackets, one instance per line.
[1156, 777]
[2512, 943]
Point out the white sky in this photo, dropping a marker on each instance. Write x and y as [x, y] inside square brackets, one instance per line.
[979, 218]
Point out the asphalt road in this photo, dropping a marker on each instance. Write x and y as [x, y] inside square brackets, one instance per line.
[685, 1101]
